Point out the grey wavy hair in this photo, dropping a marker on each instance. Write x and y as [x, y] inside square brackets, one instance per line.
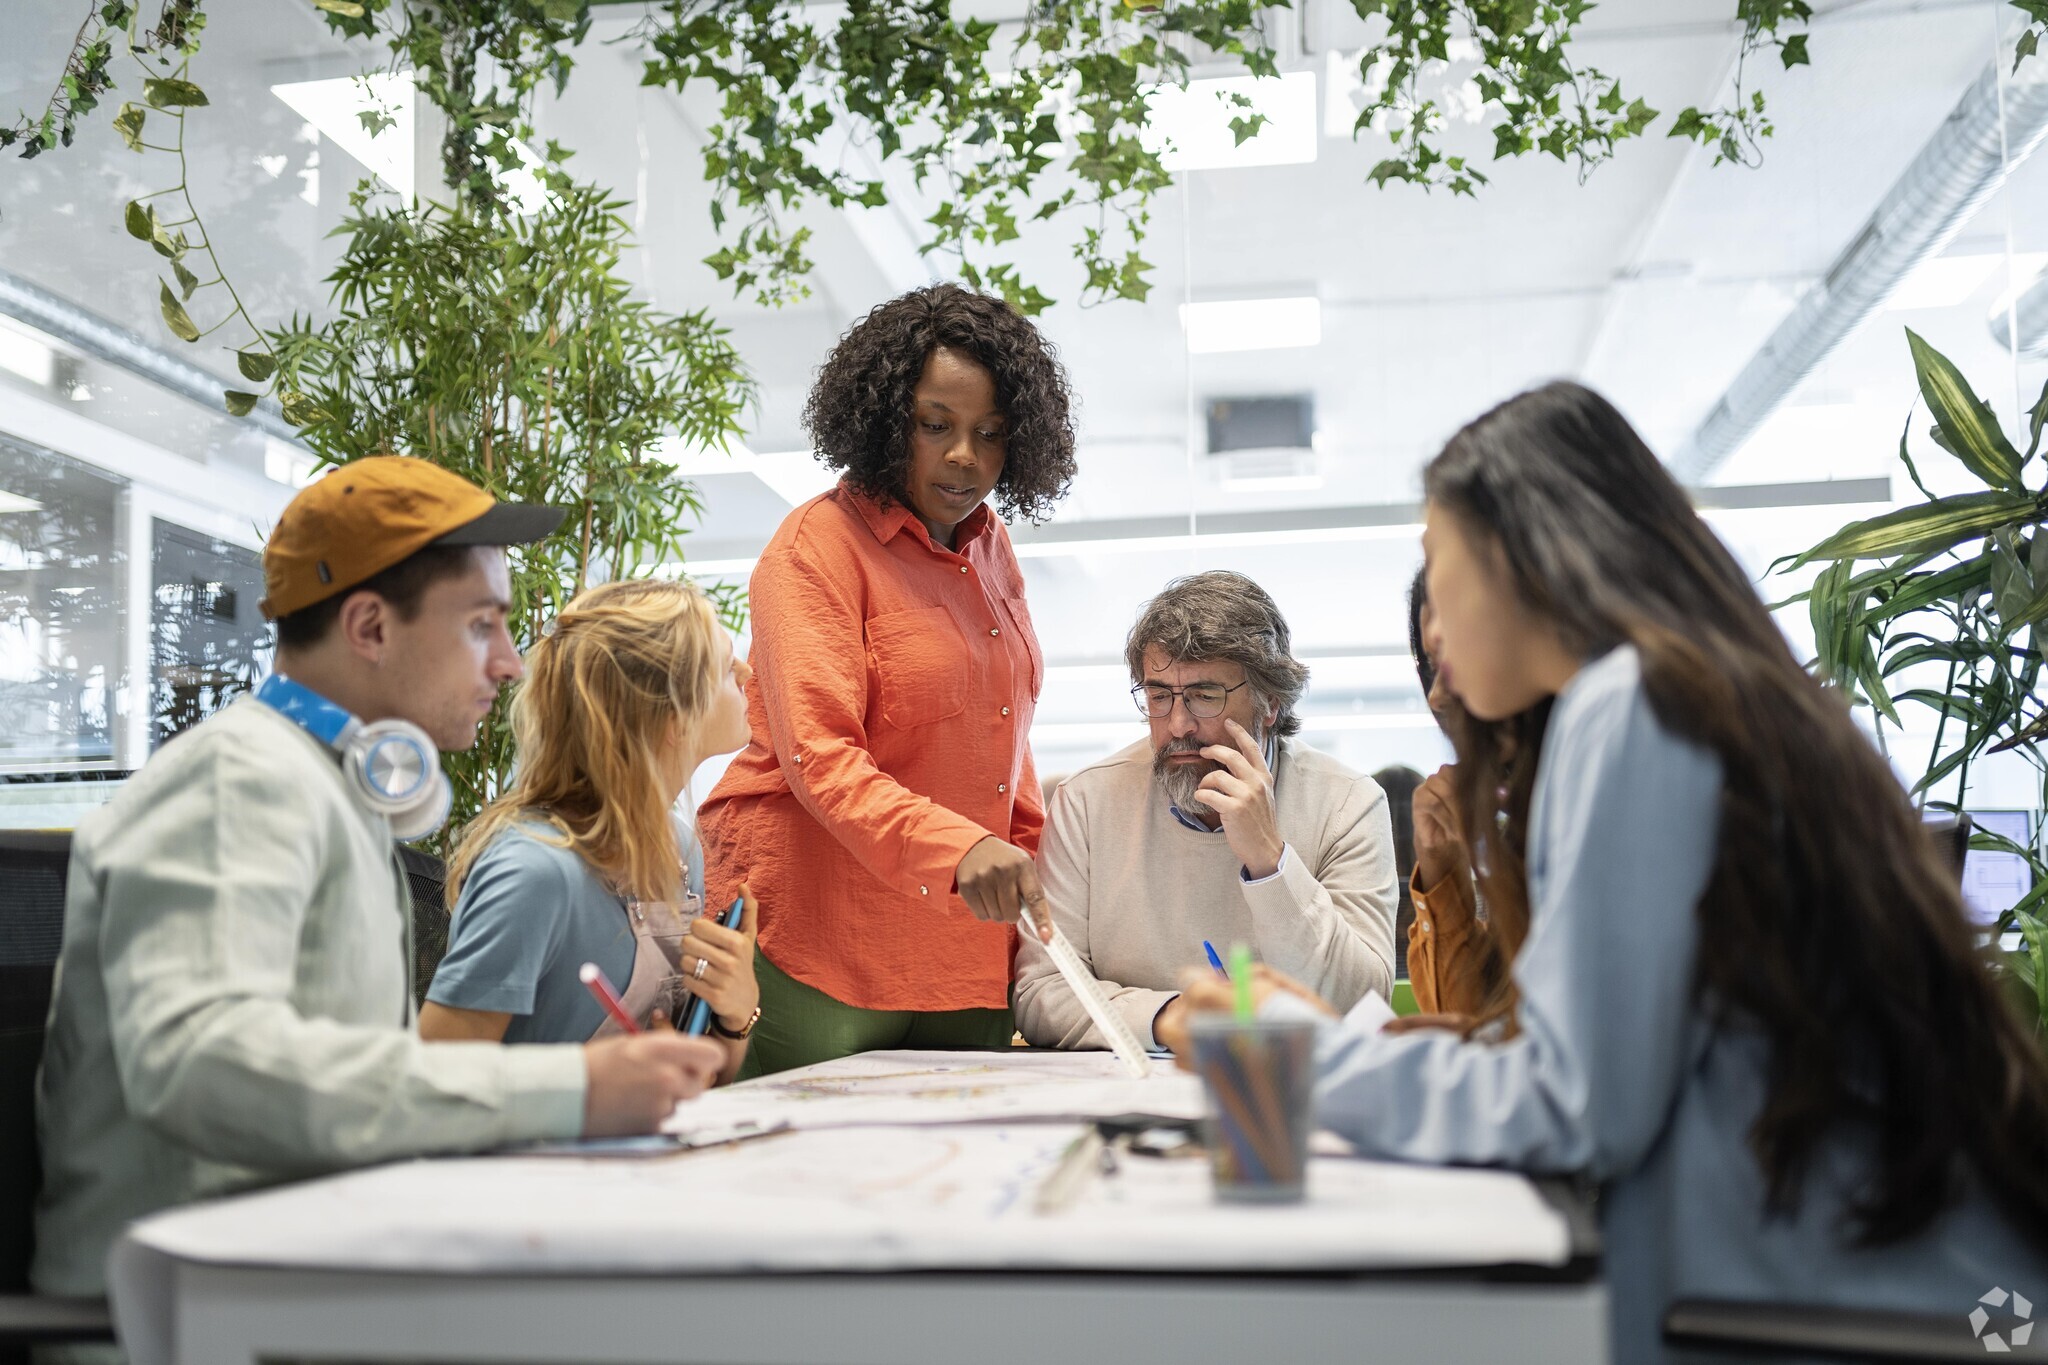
[1224, 615]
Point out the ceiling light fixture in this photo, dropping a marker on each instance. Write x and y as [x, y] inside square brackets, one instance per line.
[23, 355]
[335, 107]
[795, 476]
[1189, 127]
[1121, 545]
[15, 502]
[1251, 325]
[1944, 281]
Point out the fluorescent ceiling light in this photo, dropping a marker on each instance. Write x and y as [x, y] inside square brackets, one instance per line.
[15, 502]
[1117, 731]
[795, 476]
[24, 355]
[1272, 483]
[1068, 549]
[1251, 325]
[334, 106]
[1189, 128]
[1390, 665]
[1944, 281]
[2025, 274]
[287, 464]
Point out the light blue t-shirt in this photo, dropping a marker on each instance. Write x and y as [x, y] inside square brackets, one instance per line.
[529, 916]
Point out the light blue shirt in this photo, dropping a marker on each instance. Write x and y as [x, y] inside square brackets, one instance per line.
[1617, 1073]
[529, 916]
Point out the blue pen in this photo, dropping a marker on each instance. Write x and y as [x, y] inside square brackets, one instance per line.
[698, 1021]
[1215, 961]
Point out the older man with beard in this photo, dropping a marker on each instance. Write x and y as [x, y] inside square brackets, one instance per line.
[1220, 827]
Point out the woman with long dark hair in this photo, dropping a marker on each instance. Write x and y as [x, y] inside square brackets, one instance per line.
[1751, 1004]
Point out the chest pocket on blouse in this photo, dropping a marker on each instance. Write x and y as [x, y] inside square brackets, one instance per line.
[1020, 621]
[920, 664]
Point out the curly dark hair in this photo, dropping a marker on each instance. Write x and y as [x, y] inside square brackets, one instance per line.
[859, 410]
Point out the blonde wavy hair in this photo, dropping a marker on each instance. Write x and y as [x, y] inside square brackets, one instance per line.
[622, 664]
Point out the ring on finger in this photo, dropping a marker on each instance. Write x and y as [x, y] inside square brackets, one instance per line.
[703, 963]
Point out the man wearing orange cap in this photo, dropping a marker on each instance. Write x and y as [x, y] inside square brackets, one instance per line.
[232, 1003]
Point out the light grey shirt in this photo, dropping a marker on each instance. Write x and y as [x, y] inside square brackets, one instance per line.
[232, 1002]
[1617, 1073]
[1136, 891]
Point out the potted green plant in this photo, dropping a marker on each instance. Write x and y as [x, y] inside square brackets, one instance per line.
[1953, 586]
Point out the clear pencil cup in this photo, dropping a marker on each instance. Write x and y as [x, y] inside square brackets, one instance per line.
[1260, 1079]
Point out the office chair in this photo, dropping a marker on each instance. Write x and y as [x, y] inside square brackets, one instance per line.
[1765, 1330]
[425, 877]
[32, 871]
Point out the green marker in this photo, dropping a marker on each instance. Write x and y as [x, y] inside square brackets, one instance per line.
[1241, 979]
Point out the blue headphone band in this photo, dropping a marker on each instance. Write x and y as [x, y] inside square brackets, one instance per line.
[324, 720]
[392, 763]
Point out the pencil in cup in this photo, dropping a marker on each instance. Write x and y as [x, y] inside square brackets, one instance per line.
[1260, 1077]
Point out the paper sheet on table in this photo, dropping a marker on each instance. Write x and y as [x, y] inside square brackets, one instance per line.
[917, 1088]
[869, 1199]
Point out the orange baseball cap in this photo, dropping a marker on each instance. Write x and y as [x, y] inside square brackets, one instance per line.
[362, 517]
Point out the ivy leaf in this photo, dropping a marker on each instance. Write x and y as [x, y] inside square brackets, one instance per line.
[347, 9]
[1793, 52]
[239, 403]
[128, 123]
[2027, 46]
[141, 223]
[175, 316]
[302, 411]
[1391, 169]
[256, 366]
[187, 281]
[168, 92]
[561, 11]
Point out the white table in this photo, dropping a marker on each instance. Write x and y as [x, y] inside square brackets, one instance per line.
[891, 1245]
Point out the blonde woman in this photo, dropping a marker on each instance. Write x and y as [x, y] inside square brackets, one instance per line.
[634, 685]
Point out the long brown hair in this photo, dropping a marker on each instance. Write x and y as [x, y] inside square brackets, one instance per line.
[1497, 764]
[1829, 923]
[621, 665]
[1496, 769]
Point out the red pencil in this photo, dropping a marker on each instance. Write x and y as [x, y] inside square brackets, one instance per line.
[593, 978]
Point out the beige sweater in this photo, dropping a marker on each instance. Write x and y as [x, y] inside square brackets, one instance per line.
[1137, 891]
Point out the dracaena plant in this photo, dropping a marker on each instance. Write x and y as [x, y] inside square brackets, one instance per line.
[1952, 589]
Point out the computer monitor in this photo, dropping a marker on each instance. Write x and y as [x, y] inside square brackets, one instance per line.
[1993, 881]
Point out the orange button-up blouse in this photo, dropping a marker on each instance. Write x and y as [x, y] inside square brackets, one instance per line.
[894, 684]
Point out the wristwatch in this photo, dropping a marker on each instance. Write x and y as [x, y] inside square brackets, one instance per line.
[718, 1026]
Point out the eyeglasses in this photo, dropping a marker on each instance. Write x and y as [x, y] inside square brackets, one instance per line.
[1205, 701]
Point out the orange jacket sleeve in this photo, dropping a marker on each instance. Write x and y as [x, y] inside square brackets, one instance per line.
[810, 664]
[1444, 953]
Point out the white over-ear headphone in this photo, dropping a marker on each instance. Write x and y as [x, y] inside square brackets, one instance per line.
[391, 764]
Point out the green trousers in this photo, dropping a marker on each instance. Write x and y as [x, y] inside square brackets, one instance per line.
[801, 1024]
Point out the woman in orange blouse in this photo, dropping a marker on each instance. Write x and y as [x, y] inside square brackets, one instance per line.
[1469, 922]
[885, 810]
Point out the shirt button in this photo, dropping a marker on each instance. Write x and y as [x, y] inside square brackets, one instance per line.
[993, 631]
[1006, 710]
[963, 568]
[923, 891]
[1002, 787]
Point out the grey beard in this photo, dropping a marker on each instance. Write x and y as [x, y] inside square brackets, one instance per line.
[1180, 781]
